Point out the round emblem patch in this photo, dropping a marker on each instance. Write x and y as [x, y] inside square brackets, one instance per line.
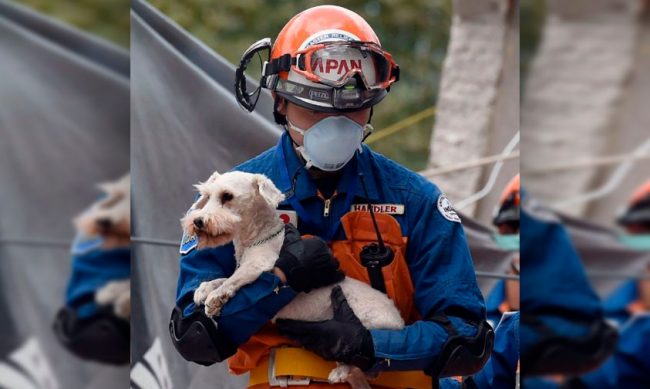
[446, 209]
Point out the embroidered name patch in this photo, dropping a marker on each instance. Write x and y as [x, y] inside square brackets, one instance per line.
[287, 216]
[391, 209]
[446, 209]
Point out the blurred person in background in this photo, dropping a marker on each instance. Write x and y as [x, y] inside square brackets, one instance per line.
[563, 328]
[94, 322]
[629, 308]
[633, 296]
[505, 296]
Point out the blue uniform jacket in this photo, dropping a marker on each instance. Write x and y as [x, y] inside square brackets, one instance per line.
[92, 268]
[438, 257]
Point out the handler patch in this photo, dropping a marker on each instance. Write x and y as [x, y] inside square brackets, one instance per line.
[391, 209]
[446, 209]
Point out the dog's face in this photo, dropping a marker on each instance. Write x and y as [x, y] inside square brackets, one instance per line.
[110, 216]
[226, 201]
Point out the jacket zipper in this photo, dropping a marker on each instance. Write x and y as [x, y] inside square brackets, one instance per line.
[326, 210]
[327, 203]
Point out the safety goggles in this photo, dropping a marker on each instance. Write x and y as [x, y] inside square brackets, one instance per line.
[334, 64]
[356, 75]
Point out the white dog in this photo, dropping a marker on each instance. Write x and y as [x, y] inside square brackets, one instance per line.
[110, 218]
[240, 207]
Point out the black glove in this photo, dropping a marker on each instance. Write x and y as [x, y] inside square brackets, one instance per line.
[307, 263]
[341, 339]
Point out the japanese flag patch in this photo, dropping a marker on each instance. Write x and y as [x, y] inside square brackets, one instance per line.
[287, 216]
[446, 209]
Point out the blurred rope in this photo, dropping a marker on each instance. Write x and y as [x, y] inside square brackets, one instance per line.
[493, 175]
[156, 242]
[596, 162]
[36, 242]
[621, 171]
[609, 274]
[468, 165]
[501, 276]
[401, 125]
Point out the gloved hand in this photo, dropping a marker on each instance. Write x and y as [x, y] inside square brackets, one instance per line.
[307, 263]
[342, 339]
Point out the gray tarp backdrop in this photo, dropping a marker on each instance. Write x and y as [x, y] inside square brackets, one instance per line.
[64, 126]
[603, 255]
[185, 124]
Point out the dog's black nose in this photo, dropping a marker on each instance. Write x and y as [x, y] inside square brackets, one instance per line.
[198, 223]
[104, 224]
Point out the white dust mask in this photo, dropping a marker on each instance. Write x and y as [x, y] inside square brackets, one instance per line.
[330, 143]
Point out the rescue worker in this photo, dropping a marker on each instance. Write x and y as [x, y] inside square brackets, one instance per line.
[562, 328]
[505, 295]
[327, 70]
[83, 327]
[629, 307]
[632, 297]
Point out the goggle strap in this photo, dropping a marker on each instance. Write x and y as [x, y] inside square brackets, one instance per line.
[304, 91]
[280, 64]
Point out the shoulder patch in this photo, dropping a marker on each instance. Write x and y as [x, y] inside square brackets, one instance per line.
[446, 209]
[84, 244]
[188, 243]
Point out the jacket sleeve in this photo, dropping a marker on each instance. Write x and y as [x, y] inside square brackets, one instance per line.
[446, 292]
[246, 312]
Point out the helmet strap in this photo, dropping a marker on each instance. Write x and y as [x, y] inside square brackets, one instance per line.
[279, 118]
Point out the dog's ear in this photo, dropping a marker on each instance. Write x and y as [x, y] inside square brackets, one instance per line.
[213, 177]
[269, 192]
[106, 187]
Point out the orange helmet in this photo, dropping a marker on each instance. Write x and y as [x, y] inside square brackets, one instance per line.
[638, 208]
[326, 58]
[508, 209]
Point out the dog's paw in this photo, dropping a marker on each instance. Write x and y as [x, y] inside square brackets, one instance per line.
[202, 292]
[217, 299]
[339, 374]
[112, 291]
[122, 307]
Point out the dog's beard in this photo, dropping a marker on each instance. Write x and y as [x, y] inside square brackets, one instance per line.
[117, 234]
[207, 240]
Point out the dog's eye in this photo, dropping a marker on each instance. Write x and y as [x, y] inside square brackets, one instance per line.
[225, 197]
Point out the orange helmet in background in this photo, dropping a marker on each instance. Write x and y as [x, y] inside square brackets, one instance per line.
[638, 208]
[326, 58]
[509, 204]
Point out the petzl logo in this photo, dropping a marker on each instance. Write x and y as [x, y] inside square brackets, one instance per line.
[151, 372]
[27, 368]
[318, 95]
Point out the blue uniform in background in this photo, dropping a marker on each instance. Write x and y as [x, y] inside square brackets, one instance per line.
[437, 256]
[92, 268]
[563, 329]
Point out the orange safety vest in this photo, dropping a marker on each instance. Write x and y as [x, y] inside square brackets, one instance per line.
[359, 231]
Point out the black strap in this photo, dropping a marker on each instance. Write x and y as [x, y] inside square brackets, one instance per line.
[280, 64]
